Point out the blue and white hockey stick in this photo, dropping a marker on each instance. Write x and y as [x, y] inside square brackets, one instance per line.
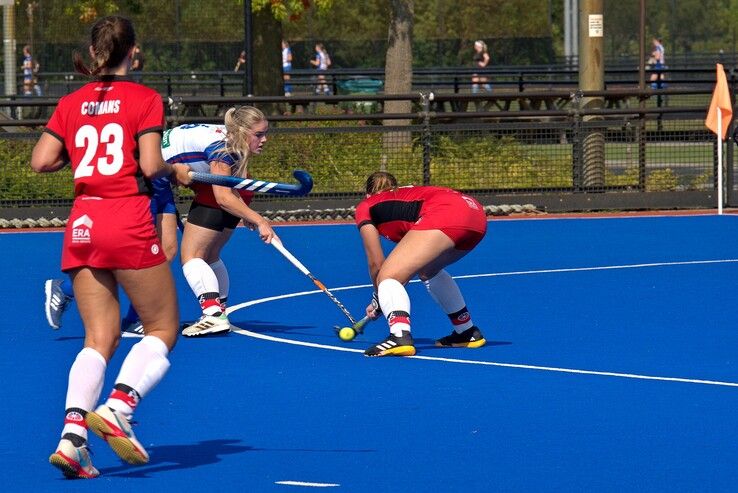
[259, 186]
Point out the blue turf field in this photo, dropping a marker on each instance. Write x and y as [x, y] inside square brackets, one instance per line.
[611, 367]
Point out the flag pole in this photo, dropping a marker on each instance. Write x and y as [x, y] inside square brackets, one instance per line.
[720, 161]
[719, 115]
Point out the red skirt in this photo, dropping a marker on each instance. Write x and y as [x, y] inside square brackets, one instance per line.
[111, 233]
[458, 216]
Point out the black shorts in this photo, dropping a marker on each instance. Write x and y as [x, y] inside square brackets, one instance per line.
[213, 218]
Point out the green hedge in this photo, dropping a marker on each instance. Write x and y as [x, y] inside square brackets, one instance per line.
[19, 182]
[340, 162]
[496, 162]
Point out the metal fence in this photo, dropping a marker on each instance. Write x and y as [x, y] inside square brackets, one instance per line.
[343, 81]
[636, 156]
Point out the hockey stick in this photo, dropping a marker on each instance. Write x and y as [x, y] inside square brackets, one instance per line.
[280, 247]
[259, 186]
[359, 326]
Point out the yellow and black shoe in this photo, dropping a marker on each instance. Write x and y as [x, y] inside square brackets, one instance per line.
[393, 346]
[471, 337]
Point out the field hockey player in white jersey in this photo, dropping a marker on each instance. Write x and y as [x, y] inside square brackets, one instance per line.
[216, 211]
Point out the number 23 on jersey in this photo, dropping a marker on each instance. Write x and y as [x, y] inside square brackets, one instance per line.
[111, 138]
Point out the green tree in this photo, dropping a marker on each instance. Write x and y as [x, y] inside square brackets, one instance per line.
[684, 26]
[398, 71]
[269, 16]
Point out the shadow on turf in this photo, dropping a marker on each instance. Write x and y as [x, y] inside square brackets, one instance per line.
[173, 457]
[263, 327]
[426, 344]
[258, 326]
[269, 328]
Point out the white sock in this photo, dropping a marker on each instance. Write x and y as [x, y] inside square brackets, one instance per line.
[444, 291]
[221, 273]
[86, 377]
[203, 280]
[395, 304]
[143, 368]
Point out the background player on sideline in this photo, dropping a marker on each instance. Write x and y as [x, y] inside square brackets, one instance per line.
[433, 227]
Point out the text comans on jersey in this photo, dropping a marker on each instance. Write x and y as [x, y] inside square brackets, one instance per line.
[100, 107]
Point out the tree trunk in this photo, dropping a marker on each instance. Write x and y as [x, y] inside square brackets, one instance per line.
[267, 56]
[399, 69]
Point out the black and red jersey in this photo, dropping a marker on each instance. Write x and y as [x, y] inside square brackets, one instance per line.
[395, 212]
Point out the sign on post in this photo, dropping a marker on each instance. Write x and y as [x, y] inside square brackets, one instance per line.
[596, 26]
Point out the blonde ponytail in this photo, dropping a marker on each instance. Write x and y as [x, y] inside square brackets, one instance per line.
[238, 122]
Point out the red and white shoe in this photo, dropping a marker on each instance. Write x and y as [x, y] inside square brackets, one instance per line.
[73, 462]
[115, 429]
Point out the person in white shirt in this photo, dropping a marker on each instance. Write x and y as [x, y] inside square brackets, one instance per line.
[216, 211]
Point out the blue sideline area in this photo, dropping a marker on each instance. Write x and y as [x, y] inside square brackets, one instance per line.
[612, 366]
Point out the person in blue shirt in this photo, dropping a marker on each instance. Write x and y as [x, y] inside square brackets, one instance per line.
[286, 67]
[321, 62]
[30, 68]
[657, 62]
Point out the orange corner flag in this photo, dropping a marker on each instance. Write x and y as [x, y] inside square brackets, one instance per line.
[720, 102]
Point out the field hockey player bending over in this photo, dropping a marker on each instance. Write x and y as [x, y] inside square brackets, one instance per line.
[433, 227]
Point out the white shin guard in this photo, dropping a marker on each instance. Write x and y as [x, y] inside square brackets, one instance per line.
[86, 377]
[145, 365]
[444, 291]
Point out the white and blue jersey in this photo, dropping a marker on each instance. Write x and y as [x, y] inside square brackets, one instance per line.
[286, 59]
[658, 54]
[28, 68]
[196, 145]
[322, 60]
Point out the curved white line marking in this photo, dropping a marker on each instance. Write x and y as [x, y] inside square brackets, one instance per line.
[604, 267]
[303, 483]
[493, 363]
[494, 274]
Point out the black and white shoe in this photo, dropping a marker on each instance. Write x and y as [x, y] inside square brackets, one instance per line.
[393, 346]
[134, 329]
[471, 337]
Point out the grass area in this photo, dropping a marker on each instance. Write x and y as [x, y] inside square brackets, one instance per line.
[661, 153]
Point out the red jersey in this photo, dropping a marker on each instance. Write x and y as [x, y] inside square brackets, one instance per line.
[395, 212]
[100, 124]
[110, 225]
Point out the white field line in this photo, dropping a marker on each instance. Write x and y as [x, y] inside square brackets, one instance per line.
[493, 363]
[307, 484]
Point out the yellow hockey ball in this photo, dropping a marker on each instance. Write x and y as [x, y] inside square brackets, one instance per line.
[347, 334]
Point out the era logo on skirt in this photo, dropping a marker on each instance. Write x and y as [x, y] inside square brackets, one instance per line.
[81, 229]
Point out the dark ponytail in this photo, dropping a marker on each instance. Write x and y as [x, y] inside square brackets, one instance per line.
[111, 39]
